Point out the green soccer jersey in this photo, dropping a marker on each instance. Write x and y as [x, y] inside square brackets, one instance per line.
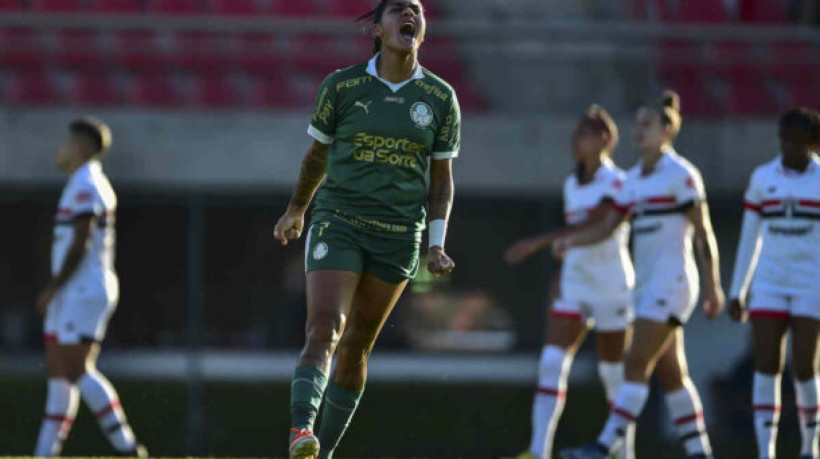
[382, 135]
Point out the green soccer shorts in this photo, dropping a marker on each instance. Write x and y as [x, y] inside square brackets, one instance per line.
[333, 244]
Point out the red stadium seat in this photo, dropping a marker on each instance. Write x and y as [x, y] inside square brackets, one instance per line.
[702, 11]
[763, 11]
[239, 7]
[696, 97]
[199, 51]
[21, 47]
[66, 6]
[350, 8]
[93, 89]
[653, 10]
[737, 65]
[175, 7]
[793, 62]
[254, 53]
[803, 96]
[153, 91]
[11, 5]
[78, 48]
[116, 6]
[214, 91]
[300, 8]
[139, 50]
[29, 88]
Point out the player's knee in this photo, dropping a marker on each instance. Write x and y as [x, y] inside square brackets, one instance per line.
[73, 373]
[353, 352]
[635, 367]
[768, 364]
[804, 366]
[324, 333]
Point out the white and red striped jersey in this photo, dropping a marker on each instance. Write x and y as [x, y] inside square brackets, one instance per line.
[788, 203]
[604, 266]
[88, 192]
[662, 234]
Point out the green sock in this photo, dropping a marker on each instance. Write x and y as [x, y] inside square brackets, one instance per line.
[340, 404]
[306, 391]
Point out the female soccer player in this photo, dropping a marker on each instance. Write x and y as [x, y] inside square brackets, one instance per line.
[595, 283]
[83, 294]
[780, 230]
[375, 127]
[664, 195]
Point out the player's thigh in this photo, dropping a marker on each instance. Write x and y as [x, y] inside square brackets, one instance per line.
[567, 326]
[805, 332]
[372, 304]
[392, 260]
[672, 368]
[612, 345]
[769, 343]
[649, 340]
[329, 296]
[54, 365]
[74, 358]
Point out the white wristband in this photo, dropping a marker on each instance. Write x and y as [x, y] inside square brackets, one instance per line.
[437, 233]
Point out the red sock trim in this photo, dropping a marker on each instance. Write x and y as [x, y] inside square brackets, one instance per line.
[809, 410]
[775, 408]
[687, 419]
[551, 391]
[103, 412]
[624, 414]
[768, 314]
[58, 418]
[567, 315]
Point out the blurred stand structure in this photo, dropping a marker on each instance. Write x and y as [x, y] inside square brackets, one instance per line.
[209, 101]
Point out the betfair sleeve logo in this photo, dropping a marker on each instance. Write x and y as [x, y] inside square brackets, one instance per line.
[347, 84]
[324, 108]
[387, 150]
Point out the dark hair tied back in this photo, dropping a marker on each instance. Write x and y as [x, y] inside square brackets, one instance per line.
[802, 118]
[375, 17]
[671, 99]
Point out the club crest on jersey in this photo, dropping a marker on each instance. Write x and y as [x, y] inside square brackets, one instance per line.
[320, 251]
[421, 114]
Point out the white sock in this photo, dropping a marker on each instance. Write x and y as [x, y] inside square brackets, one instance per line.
[628, 405]
[102, 399]
[766, 406]
[806, 392]
[612, 376]
[548, 405]
[62, 402]
[687, 413]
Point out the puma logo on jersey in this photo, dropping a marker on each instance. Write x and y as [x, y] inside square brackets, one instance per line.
[365, 107]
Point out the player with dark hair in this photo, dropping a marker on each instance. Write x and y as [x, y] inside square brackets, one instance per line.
[780, 245]
[375, 128]
[595, 283]
[82, 296]
[665, 198]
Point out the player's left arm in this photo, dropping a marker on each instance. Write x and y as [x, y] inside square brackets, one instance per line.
[440, 199]
[705, 242]
[83, 228]
[439, 203]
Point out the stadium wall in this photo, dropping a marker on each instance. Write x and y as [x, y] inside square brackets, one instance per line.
[501, 153]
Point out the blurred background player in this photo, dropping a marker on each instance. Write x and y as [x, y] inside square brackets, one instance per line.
[780, 245]
[79, 301]
[665, 198]
[595, 283]
[375, 126]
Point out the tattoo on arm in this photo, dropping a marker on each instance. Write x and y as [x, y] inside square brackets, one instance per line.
[440, 198]
[310, 176]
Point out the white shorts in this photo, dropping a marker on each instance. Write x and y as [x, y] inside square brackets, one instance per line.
[75, 320]
[604, 314]
[667, 305]
[778, 303]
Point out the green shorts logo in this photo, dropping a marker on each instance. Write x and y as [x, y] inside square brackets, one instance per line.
[421, 114]
[320, 251]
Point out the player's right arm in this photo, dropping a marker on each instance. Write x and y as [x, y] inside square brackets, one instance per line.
[527, 247]
[291, 224]
[748, 251]
[83, 229]
[592, 233]
[322, 128]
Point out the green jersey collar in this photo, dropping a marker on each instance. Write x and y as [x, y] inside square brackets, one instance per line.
[371, 69]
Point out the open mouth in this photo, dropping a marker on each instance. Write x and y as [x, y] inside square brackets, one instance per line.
[408, 30]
